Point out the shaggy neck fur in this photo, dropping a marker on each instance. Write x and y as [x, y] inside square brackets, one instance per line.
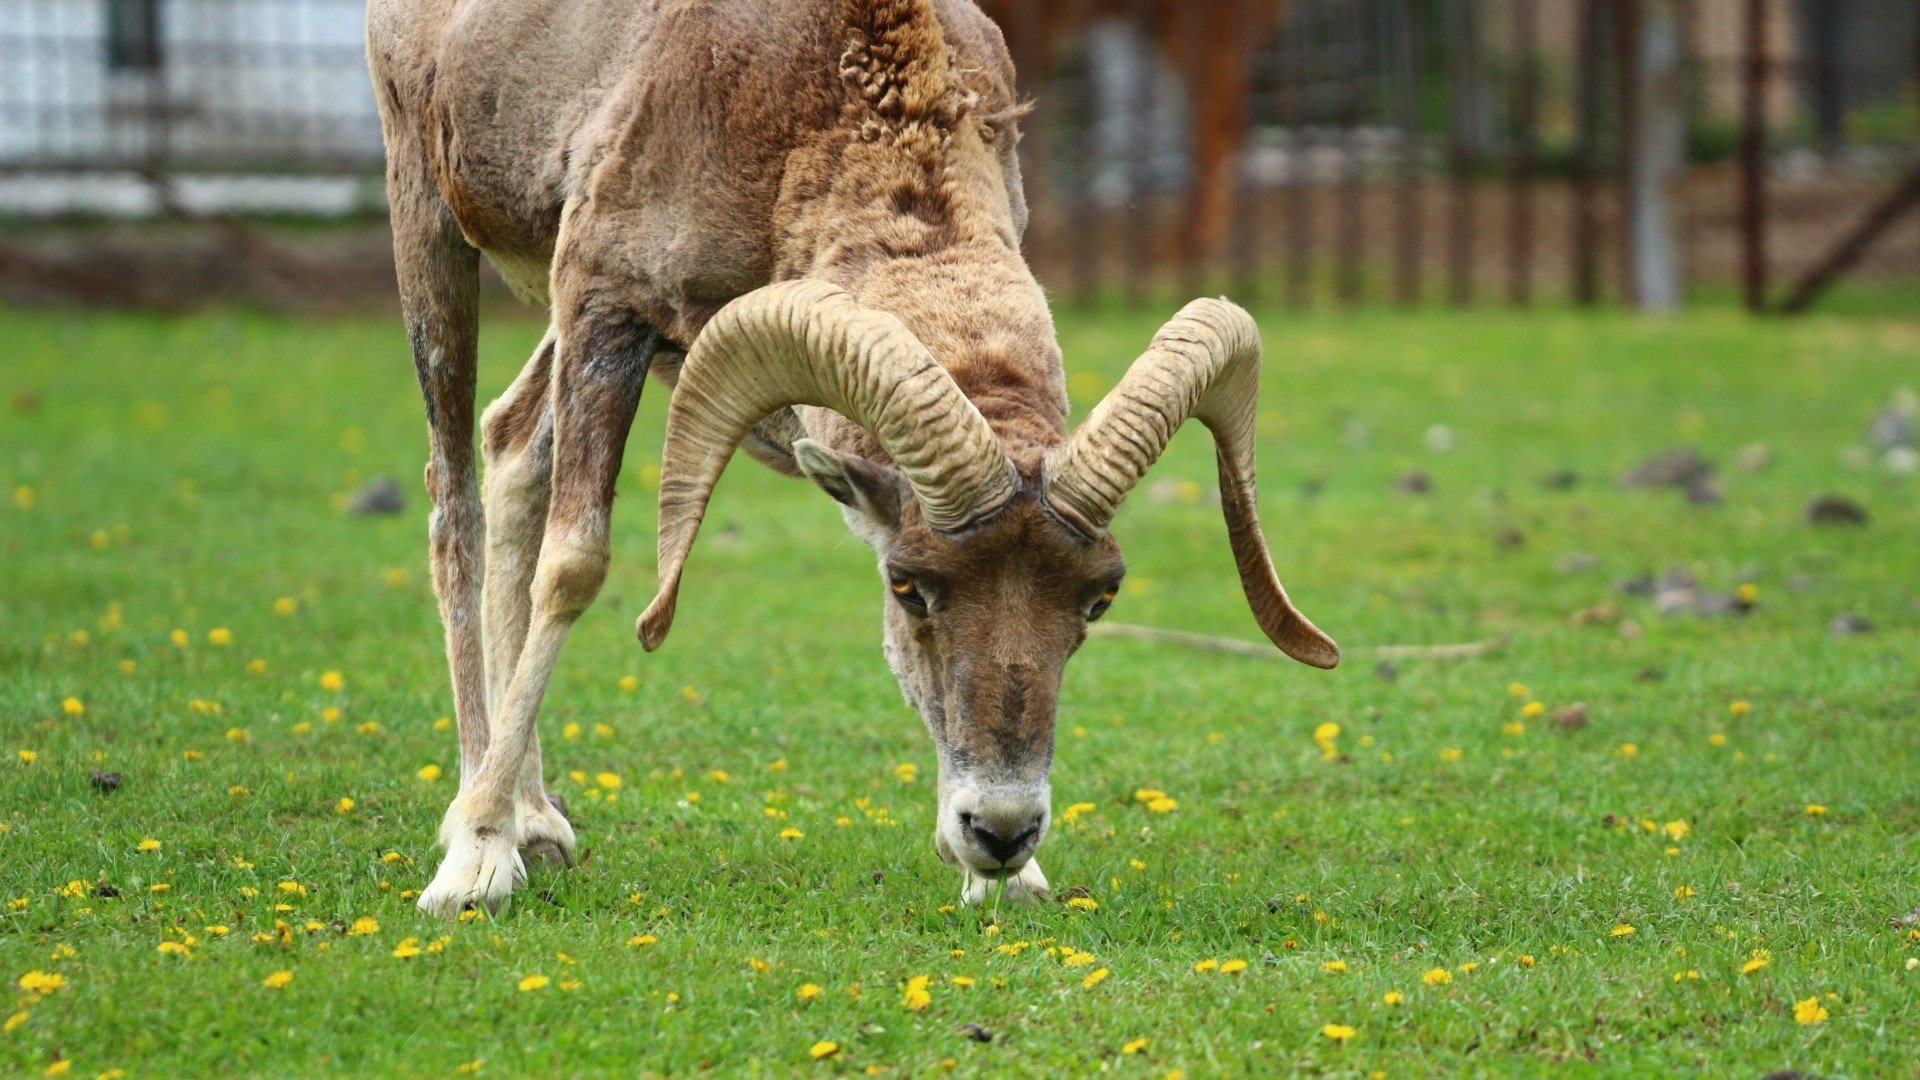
[903, 204]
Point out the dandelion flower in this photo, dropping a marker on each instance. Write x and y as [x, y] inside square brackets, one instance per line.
[28, 757]
[1515, 728]
[286, 605]
[344, 806]
[1527, 960]
[917, 997]
[180, 638]
[629, 683]
[608, 780]
[1324, 737]
[1338, 1032]
[173, 948]
[1134, 1046]
[791, 833]
[642, 940]
[1084, 903]
[41, 982]
[1519, 689]
[1334, 967]
[1815, 810]
[1718, 738]
[1163, 805]
[14, 1021]
[824, 1049]
[333, 680]
[148, 845]
[1760, 958]
[1683, 892]
[1628, 750]
[1809, 1011]
[219, 635]
[1678, 829]
[1533, 709]
[1740, 708]
[58, 1068]
[1231, 967]
[1393, 997]
[364, 926]
[1437, 977]
[73, 706]
[534, 982]
[429, 773]
[407, 949]
[1205, 966]
[1075, 958]
[1689, 975]
[1622, 930]
[1094, 977]
[808, 991]
[1452, 753]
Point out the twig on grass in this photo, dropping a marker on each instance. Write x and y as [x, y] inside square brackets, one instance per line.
[1465, 650]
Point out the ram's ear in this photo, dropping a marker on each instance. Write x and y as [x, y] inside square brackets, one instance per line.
[874, 491]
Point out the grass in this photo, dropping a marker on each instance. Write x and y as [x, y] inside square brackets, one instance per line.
[185, 475]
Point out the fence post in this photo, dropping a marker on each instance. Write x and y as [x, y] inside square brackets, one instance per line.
[1406, 283]
[1526, 87]
[1753, 158]
[1586, 228]
[1654, 148]
[1466, 103]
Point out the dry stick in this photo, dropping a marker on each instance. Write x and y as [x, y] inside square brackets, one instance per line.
[1236, 647]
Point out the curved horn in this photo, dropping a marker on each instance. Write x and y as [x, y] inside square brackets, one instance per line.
[809, 343]
[1205, 364]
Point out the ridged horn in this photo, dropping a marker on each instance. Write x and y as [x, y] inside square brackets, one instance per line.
[1205, 364]
[809, 343]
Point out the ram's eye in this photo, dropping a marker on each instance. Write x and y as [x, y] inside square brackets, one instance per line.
[907, 593]
[1101, 605]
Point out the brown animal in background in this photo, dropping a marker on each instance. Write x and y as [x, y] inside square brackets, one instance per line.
[805, 218]
[1209, 44]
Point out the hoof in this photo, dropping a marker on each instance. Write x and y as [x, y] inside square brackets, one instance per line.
[481, 868]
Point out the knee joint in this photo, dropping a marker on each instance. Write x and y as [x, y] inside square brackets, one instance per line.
[568, 578]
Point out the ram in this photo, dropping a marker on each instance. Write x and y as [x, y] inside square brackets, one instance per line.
[804, 217]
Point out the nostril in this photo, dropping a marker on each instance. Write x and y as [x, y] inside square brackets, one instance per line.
[1002, 848]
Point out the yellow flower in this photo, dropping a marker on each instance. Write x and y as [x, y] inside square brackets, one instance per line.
[407, 949]
[791, 834]
[1809, 1011]
[180, 638]
[1527, 960]
[429, 773]
[1205, 966]
[1622, 930]
[173, 948]
[571, 731]
[58, 1068]
[533, 982]
[907, 771]
[193, 755]
[1324, 737]
[28, 757]
[1533, 709]
[1718, 738]
[629, 683]
[23, 497]
[777, 765]
[720, 776]
[73, 706]
[1084, 903]
[333, 680]
[1437, 977]
[219, 635]
[15, 1020]
[1514, 728]
[641, 940]
[344, 806]
[1683, 892]
[917, 997]
[256, 666]
[1334, 967]
[1678, 829]
[1134, 1046]
[1628, 749]
[1147, 794]
[444, 723]
[1338, 1032]
[41, 982]
[371, 727]
[1452, 753]
[1093, 978]
[1074, 957]
[1232, 967]
[1760, 958]
[1748, 593]
[1815, 810]
[824, 1049]
[759, 965]
[148, 845]
[1163, 805]
[1073, 813]
[286, 605]
[363, 926]
[1689, 975]
[610, 781]
[1393, 997]
[1740, 708]
[808, 991]
[1519, 689]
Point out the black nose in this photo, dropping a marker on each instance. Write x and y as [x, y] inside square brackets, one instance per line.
[1002, 848]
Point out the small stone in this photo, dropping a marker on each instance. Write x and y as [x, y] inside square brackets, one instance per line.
[1559, 480]
[1577, 562]
[1439, 438]
[1635, 586]
[105, 782]
[1386, 671]
[1709, 604]
[1704, 491]
[1569, 717]
[1891, 428]
[1836, 510]
[1754, 457]
[1678, 577]
[1415, 483]
[1902, 461]
[1849, 624]
[1673, 468]
[378, 497]
[1358, 433]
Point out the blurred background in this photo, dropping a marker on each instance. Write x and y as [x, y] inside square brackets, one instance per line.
[1318, 153]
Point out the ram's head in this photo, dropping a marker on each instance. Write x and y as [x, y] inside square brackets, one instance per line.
[993, 567]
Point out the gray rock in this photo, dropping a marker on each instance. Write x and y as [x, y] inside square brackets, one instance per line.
[1704, 491]
[1836, 510]
[1754, 457]
[1891, 428]
[378, 497]
[1848, 625]
[1415, 483]
[1674, 468]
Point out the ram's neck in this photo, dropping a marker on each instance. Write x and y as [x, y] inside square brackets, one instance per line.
[941, 253]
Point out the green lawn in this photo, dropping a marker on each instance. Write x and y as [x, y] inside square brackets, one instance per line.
[1507, 895]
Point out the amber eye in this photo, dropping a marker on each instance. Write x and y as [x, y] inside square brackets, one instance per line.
[1101, 605]
[907, 593]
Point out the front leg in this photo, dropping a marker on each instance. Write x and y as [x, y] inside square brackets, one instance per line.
[599, 368]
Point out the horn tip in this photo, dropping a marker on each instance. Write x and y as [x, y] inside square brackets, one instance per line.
[654, 623]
